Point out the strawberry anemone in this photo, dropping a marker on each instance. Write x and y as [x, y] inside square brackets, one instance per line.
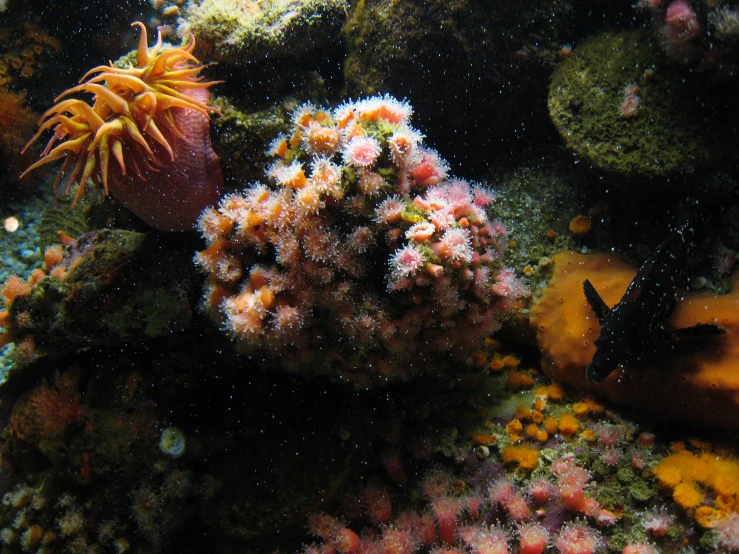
[145, 139]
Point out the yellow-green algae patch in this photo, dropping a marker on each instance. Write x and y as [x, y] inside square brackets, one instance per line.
[671, 130]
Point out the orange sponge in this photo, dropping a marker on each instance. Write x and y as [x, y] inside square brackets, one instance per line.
[698, 382]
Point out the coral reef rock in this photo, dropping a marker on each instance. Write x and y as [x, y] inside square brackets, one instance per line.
[619, 105]
[235, 31]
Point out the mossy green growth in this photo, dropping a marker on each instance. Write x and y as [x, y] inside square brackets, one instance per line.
[708, 541]
[63, 218]
[600, 469]
[641, 491]
[620, 538]
[625, 475]
[609, 496]
[669, 132]
[538, 195]
[238, 31]
[105, 252]
[618, 541]
[241, 138]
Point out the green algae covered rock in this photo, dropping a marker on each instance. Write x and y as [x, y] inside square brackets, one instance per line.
[117, 287]
[618, 105]
[239, 31]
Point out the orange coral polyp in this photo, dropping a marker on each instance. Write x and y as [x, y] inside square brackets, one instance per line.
[131, 109]
[525, 456]
[687, 496]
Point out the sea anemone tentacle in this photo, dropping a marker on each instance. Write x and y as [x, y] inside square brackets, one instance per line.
[152, 119]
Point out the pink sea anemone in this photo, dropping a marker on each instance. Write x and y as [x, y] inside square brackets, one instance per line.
[578, 538]
[436, 485]
[360, 239]
[682, 22]
[431, 169]
[245, 312]
[288, 175]
[326, 176]
[423, 525]
[385, 108]
[486, 540]
[509, 285]
[389, 211]
[516, 508]
[639, 548]
[398, 541]
[323, 526]
[610, 456]
[406, 262]
[610, 434]
[446, 509]
[361, 152]
[501, 491]
[541, 490]
[421, 232]
[532, 538]
[404, 147]
[657, 523]
[454, 245]
[308, 200]
[378, 504]
[321, 140]
[287, 318]
[483, 196]
[370, 183]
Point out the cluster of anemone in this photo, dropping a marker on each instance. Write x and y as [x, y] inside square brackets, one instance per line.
[451, 522]
[361, 257]
[569, 503]
[697, 33]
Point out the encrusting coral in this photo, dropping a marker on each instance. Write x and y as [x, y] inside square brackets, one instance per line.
[363, 259]
[153, 120]
[717, 474]
[697, 381]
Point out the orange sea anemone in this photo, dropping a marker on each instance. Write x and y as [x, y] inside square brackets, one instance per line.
[580, 225]
[140, 117]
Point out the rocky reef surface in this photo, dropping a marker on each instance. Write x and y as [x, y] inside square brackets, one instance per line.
[375, 341]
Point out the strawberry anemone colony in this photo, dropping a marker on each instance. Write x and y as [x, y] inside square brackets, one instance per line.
[362, 258]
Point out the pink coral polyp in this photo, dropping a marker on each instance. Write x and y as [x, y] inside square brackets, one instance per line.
[361, 152]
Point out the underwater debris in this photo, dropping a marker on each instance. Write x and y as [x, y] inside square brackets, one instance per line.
[172, 442]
